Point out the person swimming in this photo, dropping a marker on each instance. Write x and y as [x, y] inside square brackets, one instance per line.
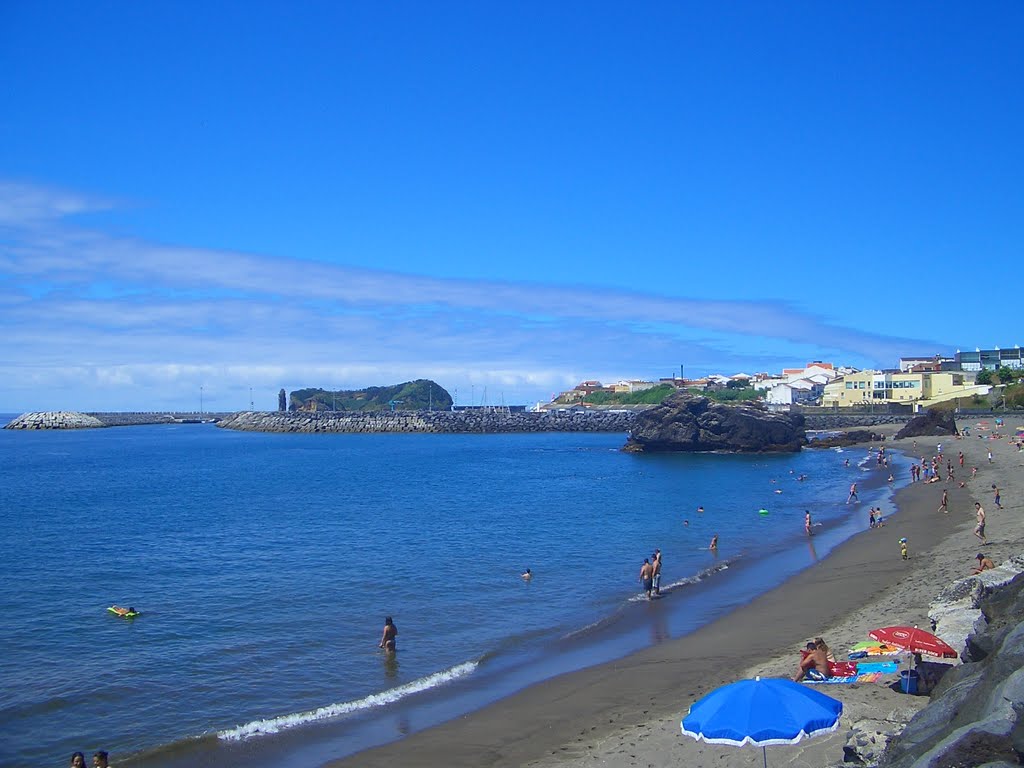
[527, 574]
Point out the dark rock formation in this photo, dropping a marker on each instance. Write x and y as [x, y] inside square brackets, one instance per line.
[687, 422]
[850, 437]
[931, 423]
[974, 716]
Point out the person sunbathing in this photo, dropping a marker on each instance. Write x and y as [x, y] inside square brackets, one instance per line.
[984, 563]
[814, 658]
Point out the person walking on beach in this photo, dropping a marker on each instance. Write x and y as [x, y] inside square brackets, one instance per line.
[944, 506]
[388, 640]
[995, 494]
[853, 494]
[960, 458]
[979, 529]
[656, 565]
[647, 577]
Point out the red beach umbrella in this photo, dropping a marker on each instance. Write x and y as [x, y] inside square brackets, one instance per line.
[914, 640]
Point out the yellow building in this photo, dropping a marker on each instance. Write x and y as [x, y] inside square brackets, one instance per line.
[917, 389]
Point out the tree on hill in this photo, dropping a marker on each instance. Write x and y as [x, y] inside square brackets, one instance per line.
[984, 377]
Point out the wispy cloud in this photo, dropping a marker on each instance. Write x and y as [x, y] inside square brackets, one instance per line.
[92, 321]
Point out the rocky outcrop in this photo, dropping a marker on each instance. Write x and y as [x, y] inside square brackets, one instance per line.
[974, 717]
[687, 422]
[843, 439]
[931, 423]
[55, 420]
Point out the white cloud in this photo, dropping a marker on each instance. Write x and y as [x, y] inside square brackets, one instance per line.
[97, 322]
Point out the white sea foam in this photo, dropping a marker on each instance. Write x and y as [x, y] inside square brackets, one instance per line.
[277, 724]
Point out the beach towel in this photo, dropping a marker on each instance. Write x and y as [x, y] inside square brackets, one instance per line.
[842, 669]
[865, 654]
[888, 667]
[868, 677]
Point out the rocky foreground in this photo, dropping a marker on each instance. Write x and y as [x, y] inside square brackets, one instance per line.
[974, 717]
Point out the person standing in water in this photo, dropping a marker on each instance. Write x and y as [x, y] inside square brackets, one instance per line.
[647, 577]
[656, 565]
[853, 494]
[807, 522]
[714, 543]
[388, 640]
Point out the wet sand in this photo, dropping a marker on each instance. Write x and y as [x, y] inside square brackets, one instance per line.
[627, 712]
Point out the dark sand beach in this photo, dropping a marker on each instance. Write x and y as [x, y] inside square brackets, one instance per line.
[627, 712]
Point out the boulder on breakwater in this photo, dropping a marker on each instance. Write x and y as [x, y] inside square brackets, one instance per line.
[687, 422]
[55, 420]
[931, 423]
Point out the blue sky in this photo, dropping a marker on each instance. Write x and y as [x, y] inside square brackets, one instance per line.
[505, 198]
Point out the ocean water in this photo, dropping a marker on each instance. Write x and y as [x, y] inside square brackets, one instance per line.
[263, 566]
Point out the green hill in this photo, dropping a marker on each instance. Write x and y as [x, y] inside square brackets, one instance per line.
[410, 396]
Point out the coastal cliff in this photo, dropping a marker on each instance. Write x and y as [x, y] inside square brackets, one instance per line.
[687, 422]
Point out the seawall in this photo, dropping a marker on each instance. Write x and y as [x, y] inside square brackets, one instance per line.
[598, 420]
[79, 420]
[431, 421]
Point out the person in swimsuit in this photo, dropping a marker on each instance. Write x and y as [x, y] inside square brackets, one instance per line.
[388, 640]
[984, 563]
[979, 529]
[656, 565]
[807, 522]
[853, 494]
[813, 658]
[714, 543]
[647, 577]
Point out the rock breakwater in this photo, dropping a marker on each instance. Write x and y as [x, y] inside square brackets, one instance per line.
[431, 421]
[55, 420]
[974, 717]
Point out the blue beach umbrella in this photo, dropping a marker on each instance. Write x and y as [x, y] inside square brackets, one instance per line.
[761, 712]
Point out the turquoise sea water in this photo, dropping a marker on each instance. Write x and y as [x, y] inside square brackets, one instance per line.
[264, 565]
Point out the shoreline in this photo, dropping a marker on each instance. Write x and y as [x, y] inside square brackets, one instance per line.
[627, 712]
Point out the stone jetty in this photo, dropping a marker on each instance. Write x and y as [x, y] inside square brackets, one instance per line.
[55, 420]
[432, 421]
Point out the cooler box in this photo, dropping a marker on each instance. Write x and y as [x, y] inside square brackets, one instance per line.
[908, 681]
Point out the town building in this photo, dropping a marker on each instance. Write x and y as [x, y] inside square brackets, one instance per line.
[989, 359]
[633, 385]
[914, 389]
[797, 385]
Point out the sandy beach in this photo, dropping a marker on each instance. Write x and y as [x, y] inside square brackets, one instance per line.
[627, 713]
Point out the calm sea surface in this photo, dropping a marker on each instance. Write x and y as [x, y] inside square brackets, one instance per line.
[264, 565]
